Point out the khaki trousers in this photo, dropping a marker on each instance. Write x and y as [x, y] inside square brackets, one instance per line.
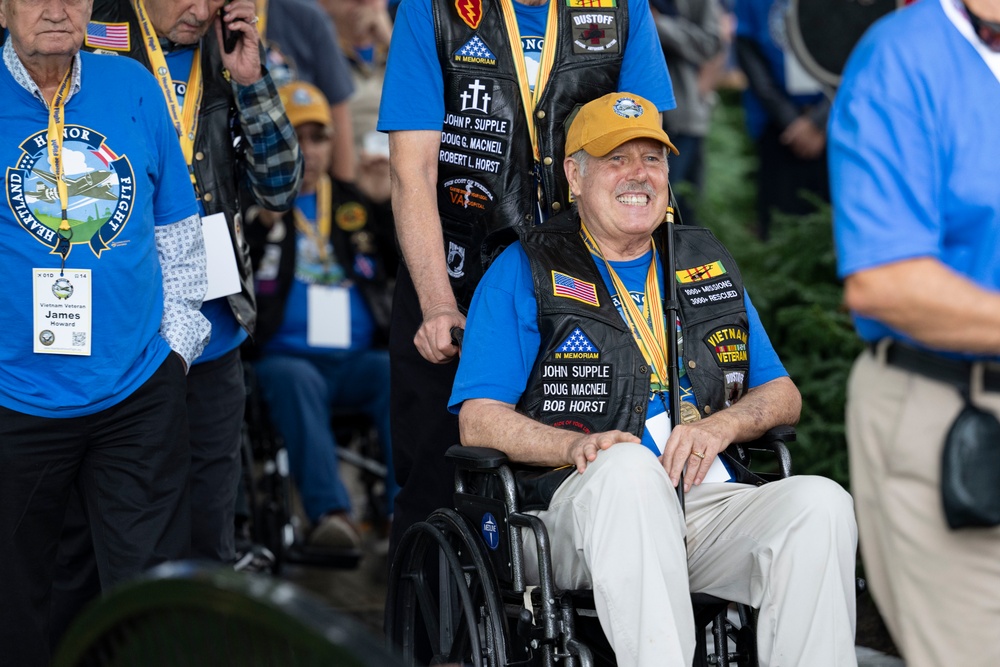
[938, 590]
[786, 548]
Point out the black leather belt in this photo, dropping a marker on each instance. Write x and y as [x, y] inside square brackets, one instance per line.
[951, 371]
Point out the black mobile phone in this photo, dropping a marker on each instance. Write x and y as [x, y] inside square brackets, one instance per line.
[229, 37]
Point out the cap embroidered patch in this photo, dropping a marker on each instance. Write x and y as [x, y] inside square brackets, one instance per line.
[703, 272]
[572, 288]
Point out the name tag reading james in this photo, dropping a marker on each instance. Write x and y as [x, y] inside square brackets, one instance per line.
[63, 311]
[329, 316]
[223, 276]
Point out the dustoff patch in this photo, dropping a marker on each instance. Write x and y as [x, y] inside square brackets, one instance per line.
[592, 4]
[456, 260]
[709, 292]
[565, 285]
[468, 194]
[490, 530]
[734, 386]
[470, 11]
[475, 52]
[729, 345]
[698, 273]
[113, 36]
[351, 216]
[595, 32]
[574, 381]
[101, 189]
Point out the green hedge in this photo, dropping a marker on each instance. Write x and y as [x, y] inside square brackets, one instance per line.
[792, 280]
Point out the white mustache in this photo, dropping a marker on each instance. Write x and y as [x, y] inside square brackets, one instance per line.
[633, 186]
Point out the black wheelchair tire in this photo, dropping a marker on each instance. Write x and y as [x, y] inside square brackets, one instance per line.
[442, 558]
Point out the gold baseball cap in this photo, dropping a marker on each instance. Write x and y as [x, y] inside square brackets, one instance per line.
[305, 103]
[604, 124]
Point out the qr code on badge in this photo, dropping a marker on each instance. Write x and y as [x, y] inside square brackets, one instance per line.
[79, 338]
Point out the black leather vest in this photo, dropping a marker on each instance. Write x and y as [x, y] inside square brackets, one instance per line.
[488, 180]
[590, 376]
[215, 163]
[356, 247]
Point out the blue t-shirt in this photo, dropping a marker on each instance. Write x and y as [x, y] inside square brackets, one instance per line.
[913, 141]
[763, 22]
[501, 338]
[413, 63]
[227, 334]
[127, 174]
[291, 337]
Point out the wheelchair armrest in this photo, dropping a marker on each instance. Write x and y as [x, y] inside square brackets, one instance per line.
[475, 458]
[774, 441]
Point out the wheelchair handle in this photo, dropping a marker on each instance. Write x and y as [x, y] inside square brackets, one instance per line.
[457, 333]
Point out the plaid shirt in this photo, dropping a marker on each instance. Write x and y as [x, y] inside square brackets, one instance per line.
[273, 158]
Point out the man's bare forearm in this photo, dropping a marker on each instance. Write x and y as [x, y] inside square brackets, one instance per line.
[929, 302]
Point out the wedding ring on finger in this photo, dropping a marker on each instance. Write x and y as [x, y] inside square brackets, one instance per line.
[700, 455]
[254, 20]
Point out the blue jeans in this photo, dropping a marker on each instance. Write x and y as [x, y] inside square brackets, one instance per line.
[300, 392]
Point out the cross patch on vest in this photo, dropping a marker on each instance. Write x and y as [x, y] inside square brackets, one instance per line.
[595, 32]
[729, 345]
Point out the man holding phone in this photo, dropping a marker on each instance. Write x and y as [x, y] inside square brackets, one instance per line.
[236, 139]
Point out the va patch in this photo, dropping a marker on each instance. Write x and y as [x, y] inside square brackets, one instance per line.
[729, 345]
[468, 194]
[475, 52]
[595, 32]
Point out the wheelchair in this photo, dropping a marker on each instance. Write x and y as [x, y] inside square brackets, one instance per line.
[457, 589]
[274, 521]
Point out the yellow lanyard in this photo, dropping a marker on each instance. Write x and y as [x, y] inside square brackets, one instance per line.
[57, 123]
[320, 234]
[652, 340]
[528, 98]
[185, 118]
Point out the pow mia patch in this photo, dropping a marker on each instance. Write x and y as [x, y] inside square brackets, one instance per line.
[595, 32]
[729, 345]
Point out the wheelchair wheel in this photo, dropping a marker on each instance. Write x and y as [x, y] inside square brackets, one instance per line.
[443, 604]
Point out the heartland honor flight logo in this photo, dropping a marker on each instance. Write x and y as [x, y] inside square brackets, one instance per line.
[100, 185]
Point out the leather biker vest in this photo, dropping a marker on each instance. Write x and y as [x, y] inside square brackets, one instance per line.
[489, 181]
[590, 375]
[215, 158]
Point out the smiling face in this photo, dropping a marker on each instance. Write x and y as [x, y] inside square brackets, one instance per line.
[44, 29]
[183, 21]
[622, 196]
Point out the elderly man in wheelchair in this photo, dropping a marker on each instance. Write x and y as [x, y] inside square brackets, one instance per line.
[565, 370]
